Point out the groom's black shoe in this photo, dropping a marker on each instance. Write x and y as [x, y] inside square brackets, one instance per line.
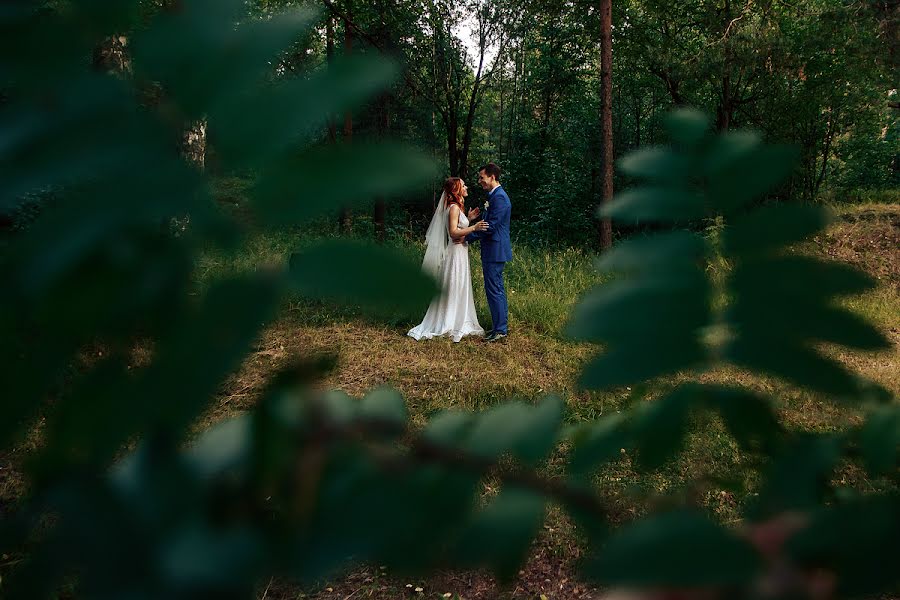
[495, 336]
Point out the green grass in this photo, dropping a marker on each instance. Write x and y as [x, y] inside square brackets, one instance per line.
[846, 199]
[543, 286]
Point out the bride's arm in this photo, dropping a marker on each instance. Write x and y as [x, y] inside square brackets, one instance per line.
[458, 233]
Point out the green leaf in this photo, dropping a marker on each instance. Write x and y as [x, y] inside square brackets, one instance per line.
[302, 187]
[655, 204]
[82, 286]
[797, 477]
[656, 163]
[677, 549]
[660, 426]
[261, 129]
[280, 426]
[107, 18]
[385, 405]
[856, 541]
[202, 58]
[91, 133]
[801, 322]
[666, 299]
[529, 433]
[670, 306]
[687, 126]
[90, 424]
[785, 358]
[155, 484]
[448, 428]
[772, 228]
[355, 273]
[740, 168]
[635, 363]
[730, 148]
[654, 254]
[223, 447]
[214, 342]
[339, 407]
[880, 440]
[500, 535]
[61, 41]
[800, 278]
[111, 405]
[598, 442]
[748, 417]
[29, 372]
[199, 555]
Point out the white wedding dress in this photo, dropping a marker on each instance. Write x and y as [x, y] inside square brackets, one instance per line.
[452, 313]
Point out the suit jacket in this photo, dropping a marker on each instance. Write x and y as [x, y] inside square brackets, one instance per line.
[495, 243]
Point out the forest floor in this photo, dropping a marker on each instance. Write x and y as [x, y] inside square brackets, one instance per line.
[537, 359]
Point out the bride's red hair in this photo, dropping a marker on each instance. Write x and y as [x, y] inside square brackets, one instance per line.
[453, 189]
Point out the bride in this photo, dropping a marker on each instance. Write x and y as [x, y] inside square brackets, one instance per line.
[452, 313]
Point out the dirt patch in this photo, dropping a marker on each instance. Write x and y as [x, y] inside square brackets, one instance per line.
[434, 375]
[869, 240]
[550, 573]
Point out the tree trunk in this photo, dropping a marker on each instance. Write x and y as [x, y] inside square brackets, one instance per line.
[606, 117]
[673, 86]
[345, 219]
[378, 214]
[443, 73]
[329, 53]
[826, 151]
[348, 50]
[726, 103]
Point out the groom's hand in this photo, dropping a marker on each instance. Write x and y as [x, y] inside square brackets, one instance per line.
[473, 214]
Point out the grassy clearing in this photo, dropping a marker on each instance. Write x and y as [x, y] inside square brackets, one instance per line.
[543, 286]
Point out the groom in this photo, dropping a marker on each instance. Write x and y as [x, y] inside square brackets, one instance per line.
[496, 248]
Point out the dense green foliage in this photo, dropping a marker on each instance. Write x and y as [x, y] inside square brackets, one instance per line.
[818, 74]
[124, 502]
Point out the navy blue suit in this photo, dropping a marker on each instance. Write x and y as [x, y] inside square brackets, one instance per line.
[496, 250]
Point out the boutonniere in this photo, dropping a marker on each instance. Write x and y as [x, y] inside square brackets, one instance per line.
[487, 205]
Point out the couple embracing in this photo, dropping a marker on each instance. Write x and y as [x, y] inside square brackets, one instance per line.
[452, 313]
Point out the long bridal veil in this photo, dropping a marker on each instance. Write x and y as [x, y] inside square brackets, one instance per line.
[437, 238]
